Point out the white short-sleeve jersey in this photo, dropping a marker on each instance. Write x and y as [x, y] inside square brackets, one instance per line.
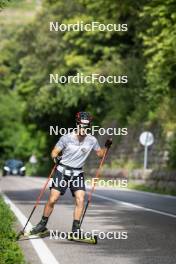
[74, 152]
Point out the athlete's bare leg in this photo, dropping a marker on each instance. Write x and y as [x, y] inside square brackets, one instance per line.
[79, 204]
[53, 198]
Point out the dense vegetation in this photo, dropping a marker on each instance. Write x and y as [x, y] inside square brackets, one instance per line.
[3, 3]
[29, 104]
[10, 252]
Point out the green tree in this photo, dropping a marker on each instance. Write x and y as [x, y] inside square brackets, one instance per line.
[3, 3]
[159, 39]
[18, 139]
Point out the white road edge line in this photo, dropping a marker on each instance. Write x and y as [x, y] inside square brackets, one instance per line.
[135, 206]
[40, 247]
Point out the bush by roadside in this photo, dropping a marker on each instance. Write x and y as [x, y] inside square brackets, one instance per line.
[10, 252]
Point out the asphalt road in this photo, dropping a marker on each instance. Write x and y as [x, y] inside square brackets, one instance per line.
[151, 233]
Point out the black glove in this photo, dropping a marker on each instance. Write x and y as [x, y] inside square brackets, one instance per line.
[108, 143]
[57, 159]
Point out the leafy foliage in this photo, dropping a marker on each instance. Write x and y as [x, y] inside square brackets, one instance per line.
[16, 138]
[3, 3]
[159, 38]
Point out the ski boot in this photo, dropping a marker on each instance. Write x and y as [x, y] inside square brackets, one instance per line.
[40, 229]
[78, 235]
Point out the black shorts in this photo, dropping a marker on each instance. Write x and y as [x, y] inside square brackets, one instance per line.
[61, 182]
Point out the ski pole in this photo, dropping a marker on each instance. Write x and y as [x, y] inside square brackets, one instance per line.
[93, 187]
[37, 201]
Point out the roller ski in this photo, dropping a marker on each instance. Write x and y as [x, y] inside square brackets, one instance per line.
[29, 235]
[78, 235]
[82, 238]
[39, 231]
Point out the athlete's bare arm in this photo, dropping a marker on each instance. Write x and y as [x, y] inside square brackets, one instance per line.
[55, 152]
